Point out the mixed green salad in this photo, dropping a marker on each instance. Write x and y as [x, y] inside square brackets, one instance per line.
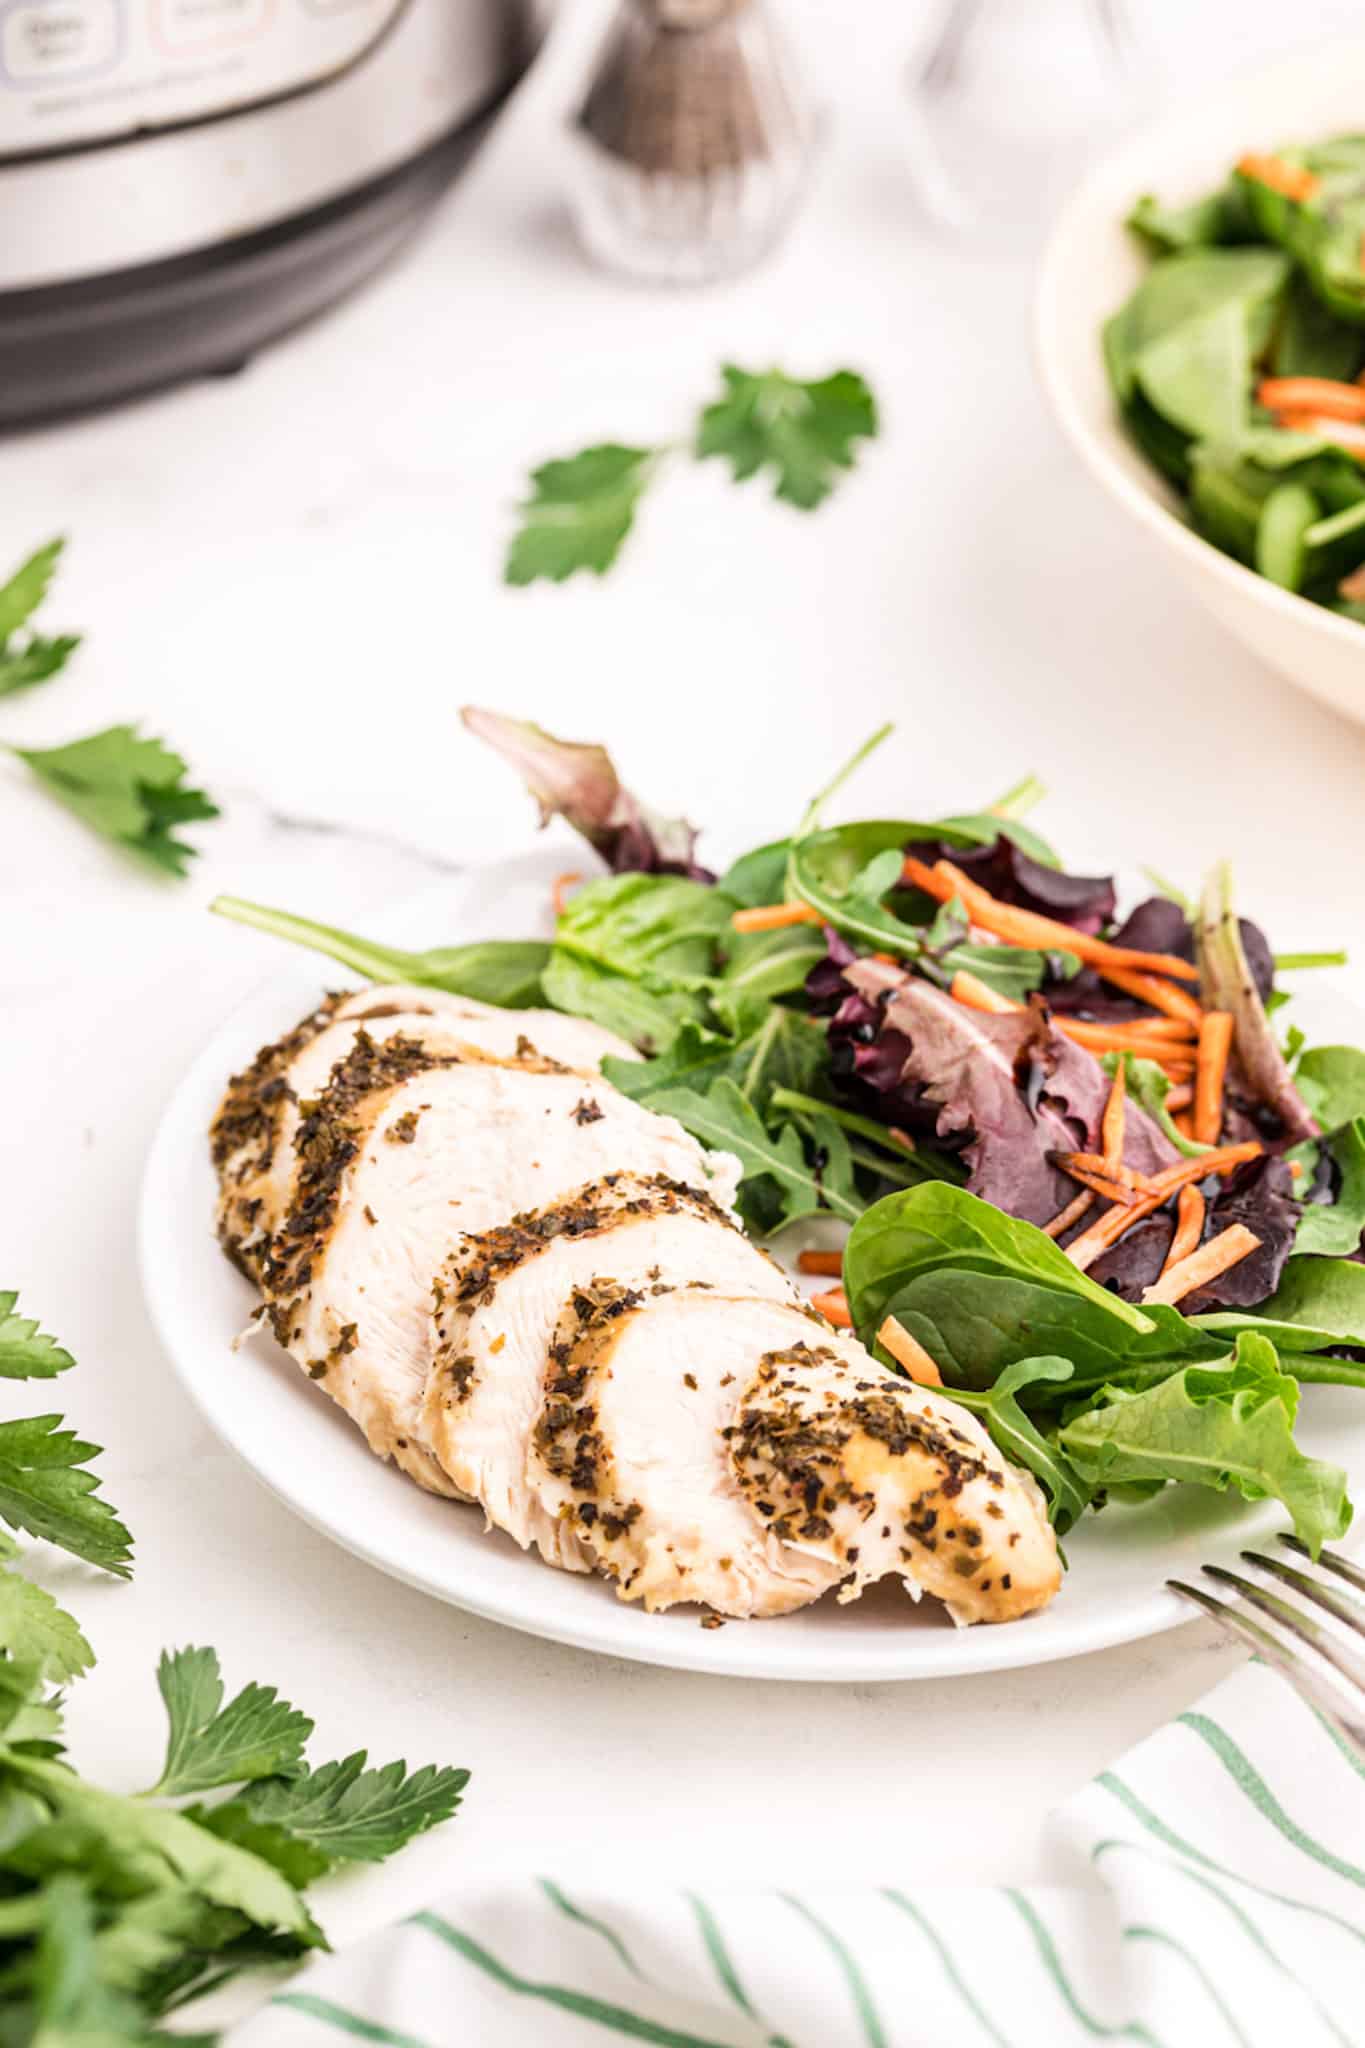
[1236, 364]
[1095, 1187]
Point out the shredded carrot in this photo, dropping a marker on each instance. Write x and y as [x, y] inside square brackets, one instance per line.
[1322, 395]
[1100, 1184]
[771, 917]
[1113, 1123]
[1291, 180]
[977, 996]
[834, 1308]
[1184, 1123]
[1347, 434]
[909, 1353]
[1189, 1226]
[1017, 927]
[1072, 1213]
[1101, 1038]
[831, 1263]
[901, 1138]
[1152, 989]
[887, 959]
[559, 889]
[1107, 1229]
[1352, 587]
[1229, 1248]
[1296, 1169]
[1210, 1074]
[1097, 1162]
[1171, 1031]
[1180, 1096]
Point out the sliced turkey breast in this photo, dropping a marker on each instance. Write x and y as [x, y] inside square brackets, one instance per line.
[500, 1296]
[630, 1448]
[723, 1450]
[253, 1132]
[404, 1149]
[884, 1478]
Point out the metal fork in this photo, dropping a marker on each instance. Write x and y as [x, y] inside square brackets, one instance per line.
[1327, 1672]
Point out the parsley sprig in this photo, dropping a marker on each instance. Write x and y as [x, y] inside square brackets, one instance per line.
[118, 1910]
[127, 787]
[802, 435]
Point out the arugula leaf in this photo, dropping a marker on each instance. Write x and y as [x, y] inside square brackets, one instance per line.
[1021, 1441]
[127, 788]
[757, 877]
[1222, 1425]
[1148, 1086]
[727, 1121]
[45, 1490]
[579, 513]
[356, 1815]
[765, 964]
[26, 1352]
[502, 971]
[256, 1735]
[35, 1630]
[803, 433]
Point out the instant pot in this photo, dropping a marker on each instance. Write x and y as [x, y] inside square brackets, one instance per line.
[182, 180]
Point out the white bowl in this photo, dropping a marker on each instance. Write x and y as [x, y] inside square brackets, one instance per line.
[1091, 265]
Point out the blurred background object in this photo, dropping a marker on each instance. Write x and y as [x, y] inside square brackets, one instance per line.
[693, 137]
[1010, 98]
[183, 180]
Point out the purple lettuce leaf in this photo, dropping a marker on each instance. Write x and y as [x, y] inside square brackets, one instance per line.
[1156, 926]
[1010, 1091]
[576, 781]
[1259, 1195]
[1007, 873]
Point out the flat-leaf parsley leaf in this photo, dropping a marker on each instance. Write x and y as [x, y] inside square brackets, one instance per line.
[803, 433]
[582, 509]
[127, 787]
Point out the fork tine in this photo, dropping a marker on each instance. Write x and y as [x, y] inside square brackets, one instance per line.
[1301, 1626]
[1340, 1606]
[1330, 1560]
[1324, 1694]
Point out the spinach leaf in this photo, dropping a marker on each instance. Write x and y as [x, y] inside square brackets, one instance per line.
[502, 971]
[660, 929]
[1020, 1440]
[765, 964]
[1319, 1303]
[975, 1325]
[1219, 217]
[1207, 305]
[1334, 1228]
[1312, 341]
[938, 1226]
[650, 1018]
[1220, 1425]
[1331, 1078]
[1322, 234]
[757, 877]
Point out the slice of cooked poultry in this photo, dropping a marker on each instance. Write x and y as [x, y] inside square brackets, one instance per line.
[887, 1479]
[630, 1448]
[500, 1296]
[253, 1131]
[721, 1450]
[405, 1148]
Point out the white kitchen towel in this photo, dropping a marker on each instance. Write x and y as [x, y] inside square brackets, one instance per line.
[1219, 1898]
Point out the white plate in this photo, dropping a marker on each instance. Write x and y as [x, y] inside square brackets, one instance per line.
[307, 1453]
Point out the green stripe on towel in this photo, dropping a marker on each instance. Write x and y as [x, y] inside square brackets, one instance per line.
[1249, 1781]
[1133, 2030]
[617, 2018]
[352, 2023]
[950, 1969]
[853, 1976]
[599, 1927]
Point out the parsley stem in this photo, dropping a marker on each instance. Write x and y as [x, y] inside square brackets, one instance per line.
[1288, 963]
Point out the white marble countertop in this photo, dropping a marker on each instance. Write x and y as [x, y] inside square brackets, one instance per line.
[294, 575]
